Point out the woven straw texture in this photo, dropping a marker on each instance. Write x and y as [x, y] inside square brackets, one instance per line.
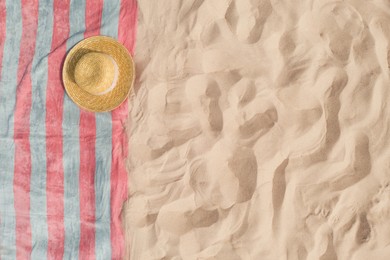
[126, 75]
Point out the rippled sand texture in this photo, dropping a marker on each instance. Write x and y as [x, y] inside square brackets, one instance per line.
[259, 130]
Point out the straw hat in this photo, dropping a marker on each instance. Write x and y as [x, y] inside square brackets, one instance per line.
[98, 74]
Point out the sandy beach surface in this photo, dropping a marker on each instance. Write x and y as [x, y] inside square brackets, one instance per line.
[259, 129]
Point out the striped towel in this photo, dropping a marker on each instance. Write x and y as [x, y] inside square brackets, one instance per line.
[62, 172]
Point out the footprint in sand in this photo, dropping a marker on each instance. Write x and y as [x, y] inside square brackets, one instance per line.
[246, 19]
[318, 199]
[243, 164]
[364, 230]
[224, 179]
[203, 218]
[261, 122]
[374, 227]
[339, 24]
[214, 185]
[211, 34]
[203, 92]
[380, 210]
[287, 43]
[179, 217]
[175, 55]
[321, 197]
[250, 116]
[323, 245]
[351, 207]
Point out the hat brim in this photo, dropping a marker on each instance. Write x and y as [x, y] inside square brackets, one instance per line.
[112, 99]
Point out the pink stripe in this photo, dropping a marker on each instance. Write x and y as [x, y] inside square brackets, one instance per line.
[86, 182]
[128, 24]
[2, 31]
[119, 193]
[22, 169]
[54, 143]
[93, 15]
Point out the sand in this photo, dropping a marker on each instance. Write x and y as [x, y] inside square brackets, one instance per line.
[259, 130]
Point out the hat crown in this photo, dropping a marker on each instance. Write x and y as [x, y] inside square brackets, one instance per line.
[96, 73]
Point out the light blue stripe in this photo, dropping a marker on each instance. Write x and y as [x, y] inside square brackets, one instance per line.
[39, 77]
[8, 86]
[71, 149]
[110, 20]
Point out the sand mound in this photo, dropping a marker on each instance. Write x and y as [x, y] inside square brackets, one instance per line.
[259, 130]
